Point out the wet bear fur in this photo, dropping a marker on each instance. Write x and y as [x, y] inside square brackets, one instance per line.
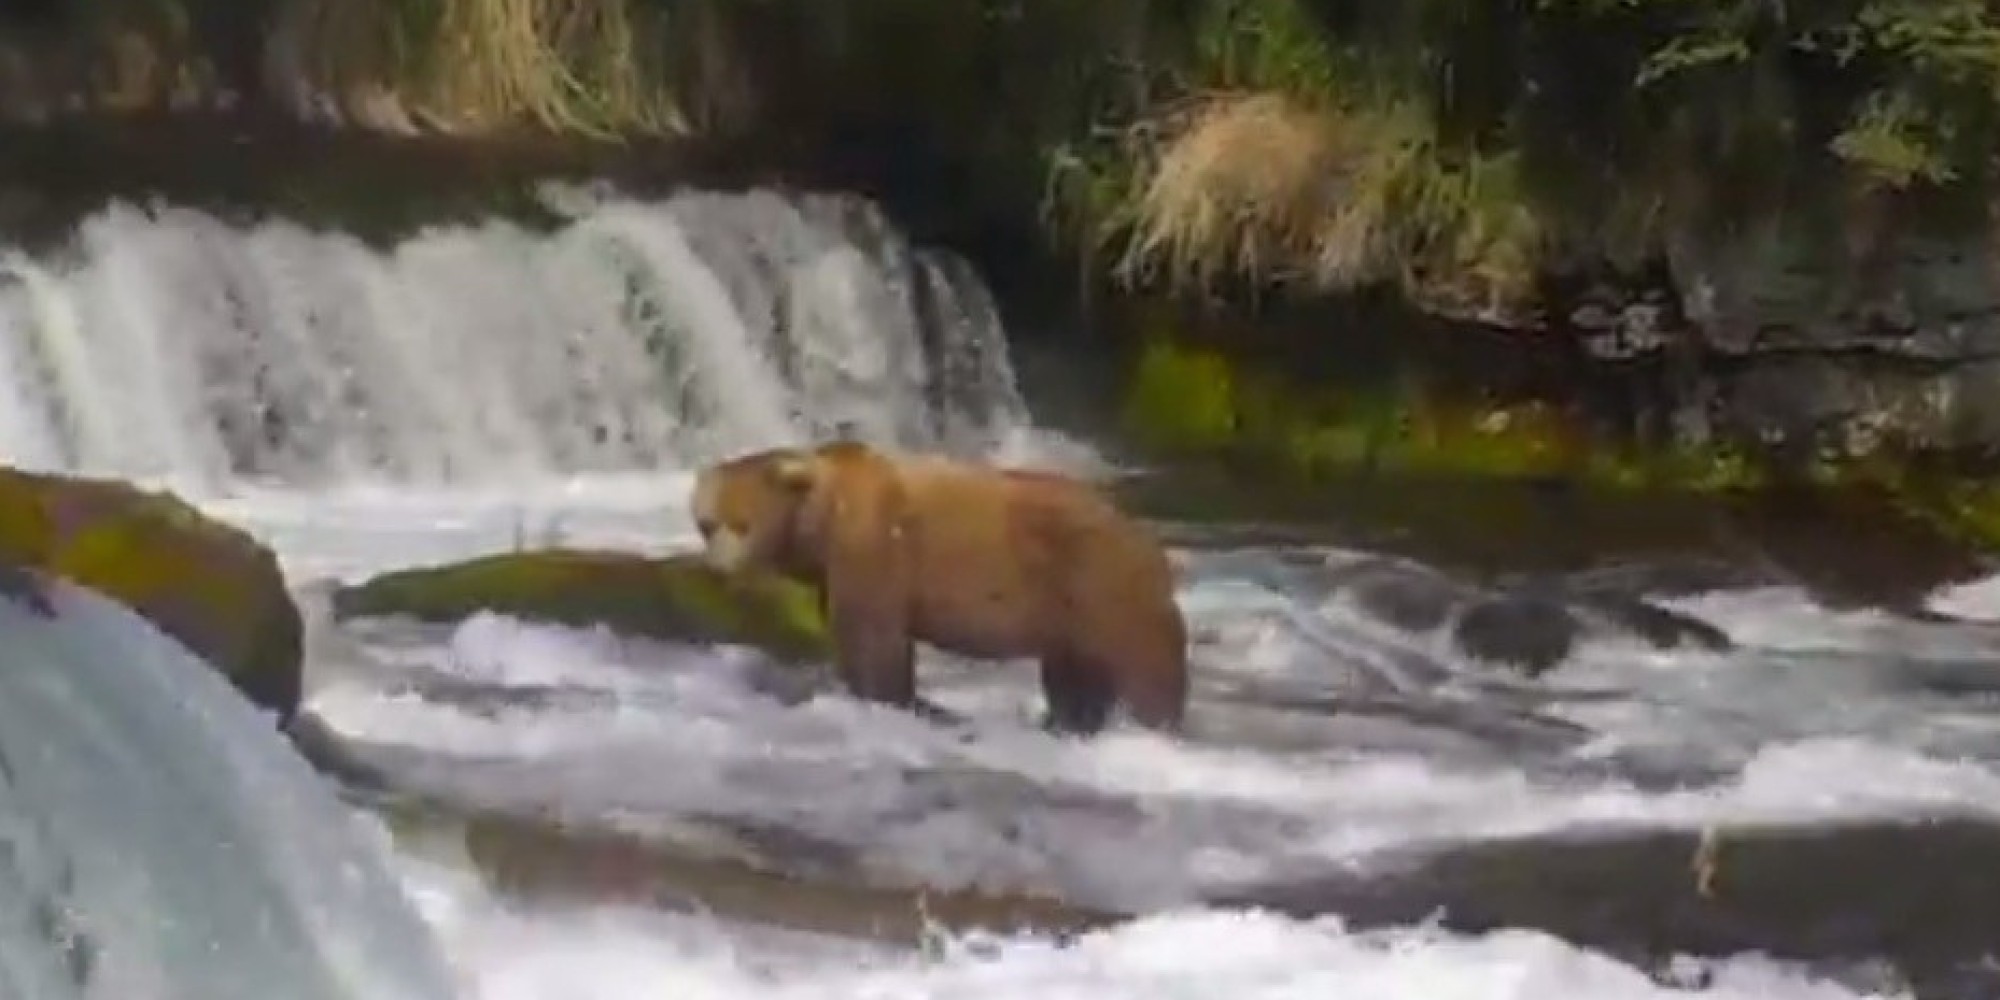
[985, 562]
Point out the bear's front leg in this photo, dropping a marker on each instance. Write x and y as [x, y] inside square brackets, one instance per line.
[873, 652]
[875, 661]
[868, 602]
[1079, 696]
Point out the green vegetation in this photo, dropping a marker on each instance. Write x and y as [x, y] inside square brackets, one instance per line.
[1454, 149]
[1459, 149]
[1395, 450]
[573, 66]
[1458, 154]
[678, 598]
[1196, 400]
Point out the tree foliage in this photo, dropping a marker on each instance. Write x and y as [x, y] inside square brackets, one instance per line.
[1615, 124]
[1499, 133]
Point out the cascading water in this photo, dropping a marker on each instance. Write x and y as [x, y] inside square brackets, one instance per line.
[166, 344]
[159, 840]
[363, 408]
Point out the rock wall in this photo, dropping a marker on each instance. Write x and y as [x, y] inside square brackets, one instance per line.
[1794, 337]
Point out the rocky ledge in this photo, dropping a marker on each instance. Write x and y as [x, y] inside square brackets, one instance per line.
[675, 598]
[1919, 892]
[208, 585]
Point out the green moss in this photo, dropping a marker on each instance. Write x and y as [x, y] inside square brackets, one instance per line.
[210, 586]
[1182, 398]
[677, 598]
[1191, 400]
[1962, 508]
[1397, 456]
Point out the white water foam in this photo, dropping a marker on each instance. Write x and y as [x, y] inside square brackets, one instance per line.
[480, 388]
[166, 344]
[610, 953]
[1128, 820]
[1975, 599]
[158, 839]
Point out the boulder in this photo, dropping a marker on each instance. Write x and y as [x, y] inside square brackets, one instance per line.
[676, 598]
[1922, 892]
[212, 587]
[1525, 631]
[1406, 594]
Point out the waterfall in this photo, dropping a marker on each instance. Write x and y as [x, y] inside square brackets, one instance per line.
[158, 839]
[167, 344]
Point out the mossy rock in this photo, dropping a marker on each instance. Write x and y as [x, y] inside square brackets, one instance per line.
[212, 587]
[677, 598]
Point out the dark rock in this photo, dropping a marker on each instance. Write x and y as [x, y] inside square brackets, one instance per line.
[1681, 577]
[1406, 595]
[1923, 894]
[1885, 558]
[1526, 631]
[1662, 627]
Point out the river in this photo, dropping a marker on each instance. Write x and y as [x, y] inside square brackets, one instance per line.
[475, 389]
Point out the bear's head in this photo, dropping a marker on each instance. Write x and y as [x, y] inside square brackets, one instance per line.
[747, 508]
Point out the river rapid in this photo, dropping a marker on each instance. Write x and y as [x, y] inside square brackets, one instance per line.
[476, 389]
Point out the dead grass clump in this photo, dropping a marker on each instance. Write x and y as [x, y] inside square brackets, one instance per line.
[1244, 184]
[1280, 192]
[579, 66]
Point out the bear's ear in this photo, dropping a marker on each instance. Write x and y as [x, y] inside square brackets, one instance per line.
[794, 470]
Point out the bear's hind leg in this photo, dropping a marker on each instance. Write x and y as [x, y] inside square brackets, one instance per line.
[1153, 687]
[1079, 695]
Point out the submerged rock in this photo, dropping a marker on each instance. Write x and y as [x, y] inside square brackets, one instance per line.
[1533, 632]
[1922, 894]
[210, 586]
[1524, 631]
[1526, 623]
[678, 598]
[1664, 628]
[1402, 593]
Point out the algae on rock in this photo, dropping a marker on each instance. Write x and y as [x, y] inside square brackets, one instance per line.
[212, 587]
[678, 598]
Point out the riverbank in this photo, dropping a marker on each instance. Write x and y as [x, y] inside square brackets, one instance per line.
[1815, 306]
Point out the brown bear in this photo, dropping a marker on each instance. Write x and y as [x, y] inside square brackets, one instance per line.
[985, 562]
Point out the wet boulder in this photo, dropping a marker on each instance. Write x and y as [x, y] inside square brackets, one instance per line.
[1533, 631]
[1528, 624]
[1663, 628]
[676, 598]
[210, 586]
[1921, 893]
[1681, 576]
[1397, 592]
[1528, 632]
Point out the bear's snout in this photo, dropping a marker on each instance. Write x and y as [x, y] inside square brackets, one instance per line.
[725, 548]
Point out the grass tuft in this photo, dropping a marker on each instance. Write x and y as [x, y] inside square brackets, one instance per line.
[1260, 183]
[578, 66]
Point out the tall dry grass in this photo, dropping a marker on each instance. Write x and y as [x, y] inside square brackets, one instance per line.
[1243, 183]
[581, 66]
[1263, 186]
[594, 67]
